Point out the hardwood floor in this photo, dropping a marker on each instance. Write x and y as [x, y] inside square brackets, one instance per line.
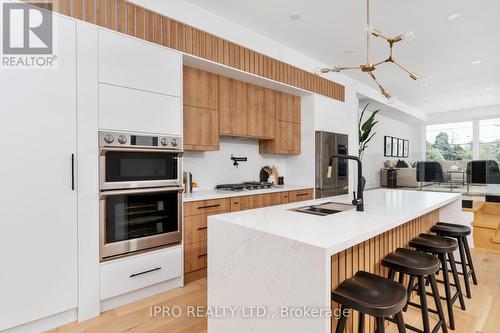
[482, 314]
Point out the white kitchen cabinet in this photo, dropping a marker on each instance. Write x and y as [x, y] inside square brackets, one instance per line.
[135, 272]
[139, 111]
[38, 214]
[129, 62]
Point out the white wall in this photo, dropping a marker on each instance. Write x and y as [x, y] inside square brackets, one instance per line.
[320, 113]
[215, 167]
[300, 168]
[373, 158]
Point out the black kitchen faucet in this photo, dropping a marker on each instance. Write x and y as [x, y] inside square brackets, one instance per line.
[356, 201]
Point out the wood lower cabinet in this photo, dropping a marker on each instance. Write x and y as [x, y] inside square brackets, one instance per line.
[195, 230]
[201, 129]
[300, 195]
[285, 197]
[196, 213]
[195, 256]
[255, 201]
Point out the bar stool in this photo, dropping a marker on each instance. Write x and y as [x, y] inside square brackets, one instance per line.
[460, 233]
[418, 265]
[372, 295]
[443, 247]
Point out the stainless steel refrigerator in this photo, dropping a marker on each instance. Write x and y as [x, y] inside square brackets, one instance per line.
[328, 144]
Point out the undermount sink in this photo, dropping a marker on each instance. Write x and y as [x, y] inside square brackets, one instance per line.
[324, 209]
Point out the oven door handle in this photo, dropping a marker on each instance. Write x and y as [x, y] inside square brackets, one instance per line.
[141, 191]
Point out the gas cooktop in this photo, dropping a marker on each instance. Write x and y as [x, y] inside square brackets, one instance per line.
[244, 186]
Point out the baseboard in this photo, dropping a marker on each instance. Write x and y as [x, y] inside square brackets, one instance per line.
[140, 294]
[45, 324]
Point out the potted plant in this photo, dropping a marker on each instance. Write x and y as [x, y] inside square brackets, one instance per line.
[365, 130]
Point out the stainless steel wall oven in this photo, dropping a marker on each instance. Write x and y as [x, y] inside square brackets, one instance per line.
[141, 192]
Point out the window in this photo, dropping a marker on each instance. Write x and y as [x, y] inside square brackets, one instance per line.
[489, 139]
[450, 142]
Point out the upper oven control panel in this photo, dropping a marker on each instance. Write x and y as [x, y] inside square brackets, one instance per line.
[132, 140]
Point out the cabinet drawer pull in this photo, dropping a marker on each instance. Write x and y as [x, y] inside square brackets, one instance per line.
[145, 272]
[202, 228]
[202, 255]
[302, 194]
[209, 206]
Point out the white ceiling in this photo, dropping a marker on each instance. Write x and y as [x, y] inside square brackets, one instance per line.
[442, 50]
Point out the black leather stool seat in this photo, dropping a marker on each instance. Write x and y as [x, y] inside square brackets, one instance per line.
[451, 230]
[411, 262]
[434, 244]
[371, 294]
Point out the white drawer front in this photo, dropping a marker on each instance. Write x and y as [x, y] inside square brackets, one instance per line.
[139, 111]
[129, 62]
[124, 275]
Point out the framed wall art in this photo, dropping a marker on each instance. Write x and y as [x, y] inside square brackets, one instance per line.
[387, 145]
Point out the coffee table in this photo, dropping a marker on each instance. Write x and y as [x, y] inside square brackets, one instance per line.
[451, 181]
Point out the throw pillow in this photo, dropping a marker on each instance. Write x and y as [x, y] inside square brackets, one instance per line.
[401, 164]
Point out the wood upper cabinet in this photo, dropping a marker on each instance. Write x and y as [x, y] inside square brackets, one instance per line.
[232, 107]
[287, 107]
[287, 126]
[261, 116]
[201, 129]
[287, 140]
[217, 105]
[246, 110]
[201, 115]
[201, 89]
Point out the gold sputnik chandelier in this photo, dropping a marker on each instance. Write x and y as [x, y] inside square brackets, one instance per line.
[370, 67]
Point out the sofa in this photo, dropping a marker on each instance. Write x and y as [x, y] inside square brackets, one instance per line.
[407, 177]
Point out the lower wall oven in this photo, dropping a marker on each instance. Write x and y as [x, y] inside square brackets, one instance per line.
[139, 219]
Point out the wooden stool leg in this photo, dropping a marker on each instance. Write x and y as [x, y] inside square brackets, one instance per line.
[341, 321]
[380, 325]
[469, 260]
[361, 322]
[423, 304]
[401, 277]
[464, 266]
[447, 290]
[392, 272]
[457, 281]
[437, 302]
[411, 284]
[400, 322]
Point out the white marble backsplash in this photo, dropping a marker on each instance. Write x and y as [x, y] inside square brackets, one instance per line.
[215, 167]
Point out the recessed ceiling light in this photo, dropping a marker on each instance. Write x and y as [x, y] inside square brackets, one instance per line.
[295, 17]
[475, 62]
[490, 88]
[454, 16]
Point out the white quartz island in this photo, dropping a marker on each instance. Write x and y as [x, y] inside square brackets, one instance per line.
[270, 267]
